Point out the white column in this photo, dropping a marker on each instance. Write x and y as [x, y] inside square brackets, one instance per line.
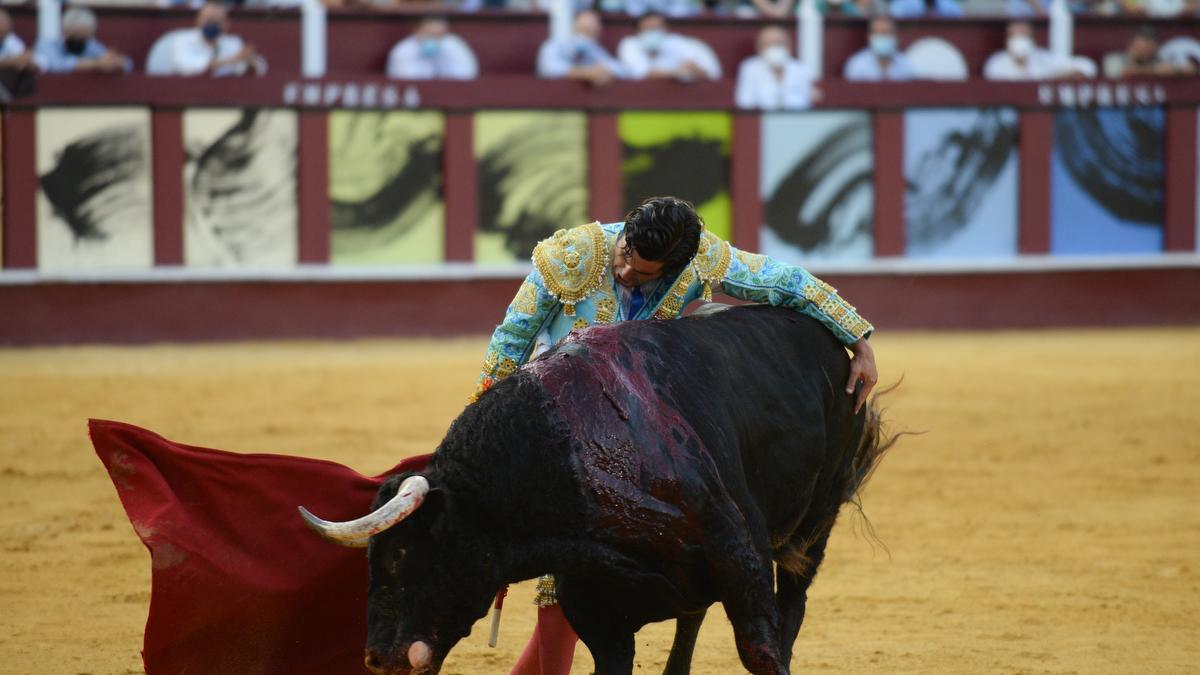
[312, 38]
[1061, 29]
[49, 19]
[560, 20]
[810, 31]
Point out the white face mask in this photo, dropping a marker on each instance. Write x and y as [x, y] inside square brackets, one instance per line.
[775, 55]
[883, 45]
[1020, 46]
[652, 39]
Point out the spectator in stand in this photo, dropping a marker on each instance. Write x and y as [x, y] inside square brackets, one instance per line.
[432, 52]
[17, 69]
[786, 9]
[1022, 59]
[581, 57]
[882, 58]
[655, 53]
[78, 50]
[13, 54]
[1143, 60]
[773, 80]
[209, 48]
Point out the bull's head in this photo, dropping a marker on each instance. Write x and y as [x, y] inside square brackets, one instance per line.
[430, 576]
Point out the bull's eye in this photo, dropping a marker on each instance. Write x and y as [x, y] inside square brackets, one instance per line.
[396, 561]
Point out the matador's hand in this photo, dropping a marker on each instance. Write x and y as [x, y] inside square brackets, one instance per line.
[862, 367]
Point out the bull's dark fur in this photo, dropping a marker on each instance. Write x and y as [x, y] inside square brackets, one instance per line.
[655, 467]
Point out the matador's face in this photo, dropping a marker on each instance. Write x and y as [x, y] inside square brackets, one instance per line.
[631, 269]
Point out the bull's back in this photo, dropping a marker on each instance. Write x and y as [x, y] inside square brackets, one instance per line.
[675, 419]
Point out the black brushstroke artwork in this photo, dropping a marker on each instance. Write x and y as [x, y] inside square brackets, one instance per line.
[950, 180]
[1116, 156]
[695, 169]
[93, 186]
[242, 191]
[532, 183]
[824, 201]
[405, 190]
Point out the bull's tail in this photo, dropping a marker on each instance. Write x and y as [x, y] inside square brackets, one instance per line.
[875, 441]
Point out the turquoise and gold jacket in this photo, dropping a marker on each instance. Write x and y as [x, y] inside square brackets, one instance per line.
[572, 286]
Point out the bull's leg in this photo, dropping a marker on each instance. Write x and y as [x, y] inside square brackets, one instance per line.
[748, 596]
[593, 614]
[687, 627]
[791, 587]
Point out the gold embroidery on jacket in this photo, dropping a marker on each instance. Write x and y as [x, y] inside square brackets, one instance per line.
[526, 300]
[672, 302]
[572, 263]
[753, 261]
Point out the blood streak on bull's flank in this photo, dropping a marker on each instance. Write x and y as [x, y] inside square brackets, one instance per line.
[628, 432]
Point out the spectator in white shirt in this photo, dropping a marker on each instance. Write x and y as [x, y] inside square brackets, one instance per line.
[13, 54]
[1023, 60]
[654, 53]
[209, 49]
[432, 52]
[882, 59]
[581, 57]
[773, 80]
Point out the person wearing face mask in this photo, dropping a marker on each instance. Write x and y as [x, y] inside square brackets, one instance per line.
[882, 59]
[432, 52]
[773, 80]
[209, 49]
[655, 53]
[78, 50]
[1023, 60]
[582, 57]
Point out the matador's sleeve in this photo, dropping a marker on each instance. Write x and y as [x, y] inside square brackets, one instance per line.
[512, 339]
[759, 278]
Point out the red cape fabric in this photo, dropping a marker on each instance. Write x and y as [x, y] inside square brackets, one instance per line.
[239, 583]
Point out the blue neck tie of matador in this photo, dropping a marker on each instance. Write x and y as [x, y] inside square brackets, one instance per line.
[636, 300]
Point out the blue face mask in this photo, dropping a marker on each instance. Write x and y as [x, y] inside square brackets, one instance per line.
[430, 47]
[211, 30]
[883, 45]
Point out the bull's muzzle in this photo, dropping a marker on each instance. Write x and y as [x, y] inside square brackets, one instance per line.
[420, 660]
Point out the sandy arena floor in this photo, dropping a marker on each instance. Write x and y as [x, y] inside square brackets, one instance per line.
[1047, 522]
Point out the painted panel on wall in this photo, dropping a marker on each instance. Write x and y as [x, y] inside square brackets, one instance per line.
[532, 172]
[94, 204]
[961, 169]
[385, 187]
[1107, 181]
[684, 154]
[240, 187]
[818, 199]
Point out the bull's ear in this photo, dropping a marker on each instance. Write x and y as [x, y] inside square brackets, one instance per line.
[433, 507]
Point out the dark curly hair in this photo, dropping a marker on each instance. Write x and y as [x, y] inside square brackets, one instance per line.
[663, 229]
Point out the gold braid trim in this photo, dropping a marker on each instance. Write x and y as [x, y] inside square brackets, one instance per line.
[826, 298]
[672, 302]
[547, 592]
[712, 261]
[572, 263]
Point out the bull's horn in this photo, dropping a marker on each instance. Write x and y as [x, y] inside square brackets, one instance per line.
[356, 532]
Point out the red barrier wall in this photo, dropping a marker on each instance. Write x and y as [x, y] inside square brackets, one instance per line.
[127, 312]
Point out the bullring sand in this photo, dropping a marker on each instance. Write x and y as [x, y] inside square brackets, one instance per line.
[1047, 521]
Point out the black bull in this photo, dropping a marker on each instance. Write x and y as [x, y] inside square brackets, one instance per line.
[654, 467]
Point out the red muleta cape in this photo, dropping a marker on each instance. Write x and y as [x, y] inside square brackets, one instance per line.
[239, 583]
